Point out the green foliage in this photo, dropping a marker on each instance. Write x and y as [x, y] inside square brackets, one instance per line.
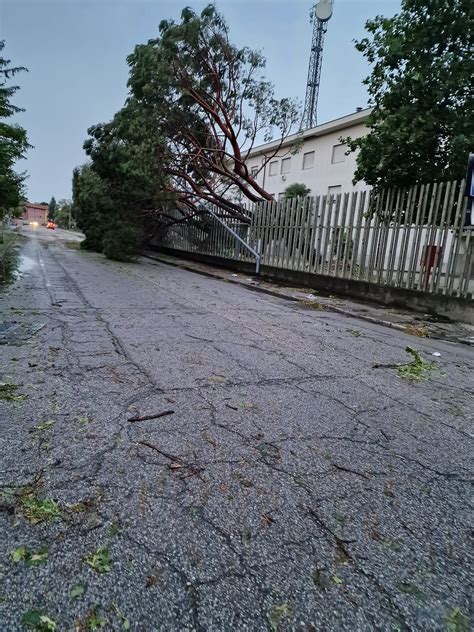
[32, 558]
[296, 190]
[64, 215]
[8, 392]
[113, 195]
[457, 621]
[421, 128]
[36, 510]
[100, 561]
[95, 621]
[93, 205]
[278, 614]
[13, 139]
[195, 102]
[209, 99]
[38, 621]
[417, 369]
[77, 591]
[121, 242]
[45, 425]
[52, 209]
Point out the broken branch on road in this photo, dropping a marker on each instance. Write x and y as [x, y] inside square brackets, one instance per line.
[148, 417]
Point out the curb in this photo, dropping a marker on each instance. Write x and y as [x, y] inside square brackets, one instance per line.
[327, 307]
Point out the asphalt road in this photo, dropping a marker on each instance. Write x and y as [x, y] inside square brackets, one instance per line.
[293, 487]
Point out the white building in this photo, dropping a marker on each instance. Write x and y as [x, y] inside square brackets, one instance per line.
[321, 162]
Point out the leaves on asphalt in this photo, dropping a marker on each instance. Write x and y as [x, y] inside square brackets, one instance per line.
[8, 392]
[457, 621]
[38, 621]
[125, 622]
[18, 554]
[278, 614]
[100, 561]
[77, 591]
[32, 558]
[43, 426]
[417, 369]
[337, 580]
[36, 510]
[94, 620]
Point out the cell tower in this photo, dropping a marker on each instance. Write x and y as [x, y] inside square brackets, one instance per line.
[320, 15]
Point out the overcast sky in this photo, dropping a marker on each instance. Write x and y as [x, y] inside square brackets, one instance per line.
[75, 51]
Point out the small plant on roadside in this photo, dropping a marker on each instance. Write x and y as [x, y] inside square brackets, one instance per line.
[77, 591]
[125, 622]
[8, 392]
[278, 614]
[94, 620]
[38, 621]
[100, 560]
[36, 510]
[31, 558]
[457, 621]
[43, 426]
[417, 369]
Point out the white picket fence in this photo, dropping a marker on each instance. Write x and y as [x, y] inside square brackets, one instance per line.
[409, 238]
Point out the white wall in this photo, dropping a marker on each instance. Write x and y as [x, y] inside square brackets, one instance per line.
[323, 174]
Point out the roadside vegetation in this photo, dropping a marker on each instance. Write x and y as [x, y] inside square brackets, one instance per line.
[13, 140]
[421, 128]
[9, 254]
[197, 105]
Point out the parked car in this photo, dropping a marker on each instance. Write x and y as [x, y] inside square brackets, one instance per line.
[51, 225]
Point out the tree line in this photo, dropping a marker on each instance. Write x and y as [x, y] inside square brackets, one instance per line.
[197, 105]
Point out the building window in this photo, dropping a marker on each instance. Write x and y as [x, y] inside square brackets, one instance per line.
[273, 169]
[286, 165]
[254, 171]
[338, 154]
[308, 160]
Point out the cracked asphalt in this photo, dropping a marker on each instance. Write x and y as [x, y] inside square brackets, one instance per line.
[294, 486]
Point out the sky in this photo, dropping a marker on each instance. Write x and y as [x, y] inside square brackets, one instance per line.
[75, 52]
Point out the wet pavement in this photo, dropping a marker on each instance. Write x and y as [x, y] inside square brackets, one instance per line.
[299, 480]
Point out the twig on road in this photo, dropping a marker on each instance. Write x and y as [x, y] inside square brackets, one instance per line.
[147, 417]
[176, 462]
[346, 469]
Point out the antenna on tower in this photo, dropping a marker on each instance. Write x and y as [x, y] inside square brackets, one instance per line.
[320, 15]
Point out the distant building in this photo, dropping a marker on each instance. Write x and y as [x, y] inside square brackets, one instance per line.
[321, 163]
[35, 213]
